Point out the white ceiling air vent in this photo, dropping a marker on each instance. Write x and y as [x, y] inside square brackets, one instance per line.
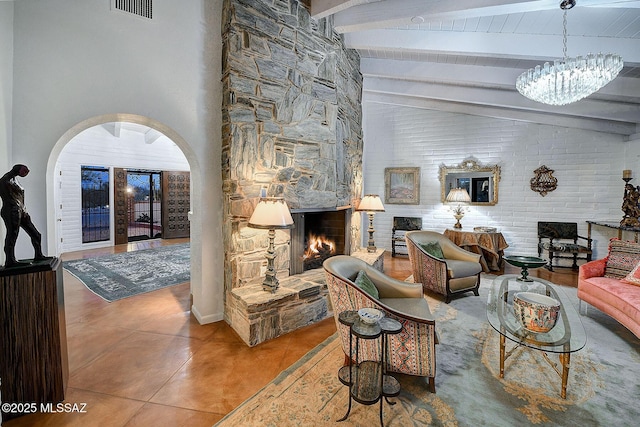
[141, 8]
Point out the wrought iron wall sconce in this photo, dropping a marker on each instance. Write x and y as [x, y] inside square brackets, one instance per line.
[543, 182]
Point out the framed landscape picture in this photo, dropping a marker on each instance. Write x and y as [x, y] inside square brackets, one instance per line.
[402, 186]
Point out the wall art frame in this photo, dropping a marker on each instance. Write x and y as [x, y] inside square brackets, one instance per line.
[402, 186]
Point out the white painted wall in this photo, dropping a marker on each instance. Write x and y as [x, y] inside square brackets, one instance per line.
[6, 98]
[587, 164]
[78, 64]
[97, 146]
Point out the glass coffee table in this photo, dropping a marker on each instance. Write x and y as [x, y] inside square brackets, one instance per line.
[566, 337]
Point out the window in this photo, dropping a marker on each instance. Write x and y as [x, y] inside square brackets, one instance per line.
[96, 212]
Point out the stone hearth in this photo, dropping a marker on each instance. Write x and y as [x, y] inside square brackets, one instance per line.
[300, 300]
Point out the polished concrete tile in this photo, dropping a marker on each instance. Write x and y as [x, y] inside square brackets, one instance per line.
[137, 366]
[86, 342]
[99, 410]
[158, 415]
[219, 377]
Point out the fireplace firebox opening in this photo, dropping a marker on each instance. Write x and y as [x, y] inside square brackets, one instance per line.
[317, 236]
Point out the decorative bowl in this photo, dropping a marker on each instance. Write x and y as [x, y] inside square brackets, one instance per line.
[485, 229]
[536, 312]
[525, 261]
[370, 315]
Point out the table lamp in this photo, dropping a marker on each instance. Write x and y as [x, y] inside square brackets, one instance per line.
[461, 197]
[371, 204]
[269, 214]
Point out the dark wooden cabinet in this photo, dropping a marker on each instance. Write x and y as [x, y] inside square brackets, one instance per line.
[33, 353]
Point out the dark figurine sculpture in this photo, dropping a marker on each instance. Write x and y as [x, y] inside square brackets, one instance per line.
[15, 216]
[631, 206]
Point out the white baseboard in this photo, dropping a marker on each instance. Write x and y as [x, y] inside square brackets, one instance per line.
[203, 320]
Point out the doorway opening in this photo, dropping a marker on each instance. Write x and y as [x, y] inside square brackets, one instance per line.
[144, 201]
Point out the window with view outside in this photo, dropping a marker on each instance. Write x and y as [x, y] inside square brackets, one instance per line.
[96, 211]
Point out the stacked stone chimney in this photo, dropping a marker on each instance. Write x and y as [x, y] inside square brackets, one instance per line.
[292, 124]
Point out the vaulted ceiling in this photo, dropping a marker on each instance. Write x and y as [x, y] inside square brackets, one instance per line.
[465, 55]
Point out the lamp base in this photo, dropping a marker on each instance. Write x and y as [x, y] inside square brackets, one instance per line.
[371, 247]
[270, 284]
[458, 217]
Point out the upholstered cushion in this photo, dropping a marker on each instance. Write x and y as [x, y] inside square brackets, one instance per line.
[457, 268]
[364, 283]
[623, 257]
[633, 277]
[564, 247]
[433, 249]
[416, 308]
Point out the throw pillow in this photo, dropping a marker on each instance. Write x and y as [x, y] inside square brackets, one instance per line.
[623, 257]
[633, 277]
[433, 249]
[364, 283]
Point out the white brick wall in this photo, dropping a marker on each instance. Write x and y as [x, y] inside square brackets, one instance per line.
[587, 164]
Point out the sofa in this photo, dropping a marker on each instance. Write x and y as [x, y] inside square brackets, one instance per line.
[412, 351]
[612, 284]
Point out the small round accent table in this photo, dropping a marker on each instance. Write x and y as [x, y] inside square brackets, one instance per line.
[525, 262]
[368, 380]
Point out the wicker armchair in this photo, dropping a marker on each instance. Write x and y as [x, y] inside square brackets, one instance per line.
[410, 352]
[458, 272]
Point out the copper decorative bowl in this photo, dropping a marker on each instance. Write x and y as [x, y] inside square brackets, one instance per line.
[525, 262]
[536, 312]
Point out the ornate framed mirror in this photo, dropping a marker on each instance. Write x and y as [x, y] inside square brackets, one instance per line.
[481, 182]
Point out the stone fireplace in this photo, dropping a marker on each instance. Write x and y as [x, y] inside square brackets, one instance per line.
[292, 125]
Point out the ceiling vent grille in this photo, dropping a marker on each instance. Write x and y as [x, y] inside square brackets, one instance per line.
[142, 8]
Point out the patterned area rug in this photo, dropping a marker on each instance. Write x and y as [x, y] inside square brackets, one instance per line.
[123, 275]
[603, 385]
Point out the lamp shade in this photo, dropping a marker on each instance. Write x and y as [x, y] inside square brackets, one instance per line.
[371, 203]
[458, 195]
[271, 212]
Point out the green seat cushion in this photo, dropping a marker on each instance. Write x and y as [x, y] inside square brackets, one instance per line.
[364, 283]
[433, 249]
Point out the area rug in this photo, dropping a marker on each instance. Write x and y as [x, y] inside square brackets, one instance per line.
[123, 275]
[603, 385]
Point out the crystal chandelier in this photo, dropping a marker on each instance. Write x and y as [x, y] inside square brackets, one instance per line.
[570, 79]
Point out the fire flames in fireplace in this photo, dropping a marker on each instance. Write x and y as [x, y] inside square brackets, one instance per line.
[318, 249]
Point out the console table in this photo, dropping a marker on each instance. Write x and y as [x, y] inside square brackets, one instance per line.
[614, 225]
[490, 246]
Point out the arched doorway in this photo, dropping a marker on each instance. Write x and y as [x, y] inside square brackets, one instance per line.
[53, 236]
[120, 182]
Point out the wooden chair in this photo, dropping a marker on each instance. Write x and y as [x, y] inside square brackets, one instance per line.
[412, 351]
[560, 240]
[402, 224]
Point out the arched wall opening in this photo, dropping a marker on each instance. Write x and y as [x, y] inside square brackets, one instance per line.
[53, 236]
